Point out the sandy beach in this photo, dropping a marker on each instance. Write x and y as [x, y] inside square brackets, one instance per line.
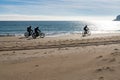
[68, 57]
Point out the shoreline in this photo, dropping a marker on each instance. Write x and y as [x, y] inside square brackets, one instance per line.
[22, 43]
[60, 33]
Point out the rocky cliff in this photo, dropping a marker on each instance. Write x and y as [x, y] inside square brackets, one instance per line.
[117, 18]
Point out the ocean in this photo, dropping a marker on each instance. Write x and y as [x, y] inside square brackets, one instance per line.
[57, 28]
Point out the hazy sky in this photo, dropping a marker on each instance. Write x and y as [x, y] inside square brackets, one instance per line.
[35, 9]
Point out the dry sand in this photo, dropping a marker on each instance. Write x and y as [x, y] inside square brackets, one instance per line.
[70, 57]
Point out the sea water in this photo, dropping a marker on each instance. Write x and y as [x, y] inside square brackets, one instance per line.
[55, 28]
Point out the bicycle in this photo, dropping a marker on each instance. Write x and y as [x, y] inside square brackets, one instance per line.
[34, 35]
[26, 34]
[86, 33]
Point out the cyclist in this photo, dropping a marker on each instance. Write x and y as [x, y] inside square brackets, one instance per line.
[86, 29]
[29, 30]
[37, 31]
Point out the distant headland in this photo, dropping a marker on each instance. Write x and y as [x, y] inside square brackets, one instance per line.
[117, 18]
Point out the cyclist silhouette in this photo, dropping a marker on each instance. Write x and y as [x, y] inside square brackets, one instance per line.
[37, 31]
[86, 29]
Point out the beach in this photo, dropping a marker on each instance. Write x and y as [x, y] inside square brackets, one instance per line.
[67, 57]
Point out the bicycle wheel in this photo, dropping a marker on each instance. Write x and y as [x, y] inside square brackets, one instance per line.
[88, 33]
[26, 34]
[83, 34]
[34, 36]
[42, 35]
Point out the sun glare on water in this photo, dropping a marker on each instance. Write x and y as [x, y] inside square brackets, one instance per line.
[105, 26]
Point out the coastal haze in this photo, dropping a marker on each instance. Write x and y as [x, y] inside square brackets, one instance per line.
[66, 52]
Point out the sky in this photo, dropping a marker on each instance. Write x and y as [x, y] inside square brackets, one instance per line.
[58, 9]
